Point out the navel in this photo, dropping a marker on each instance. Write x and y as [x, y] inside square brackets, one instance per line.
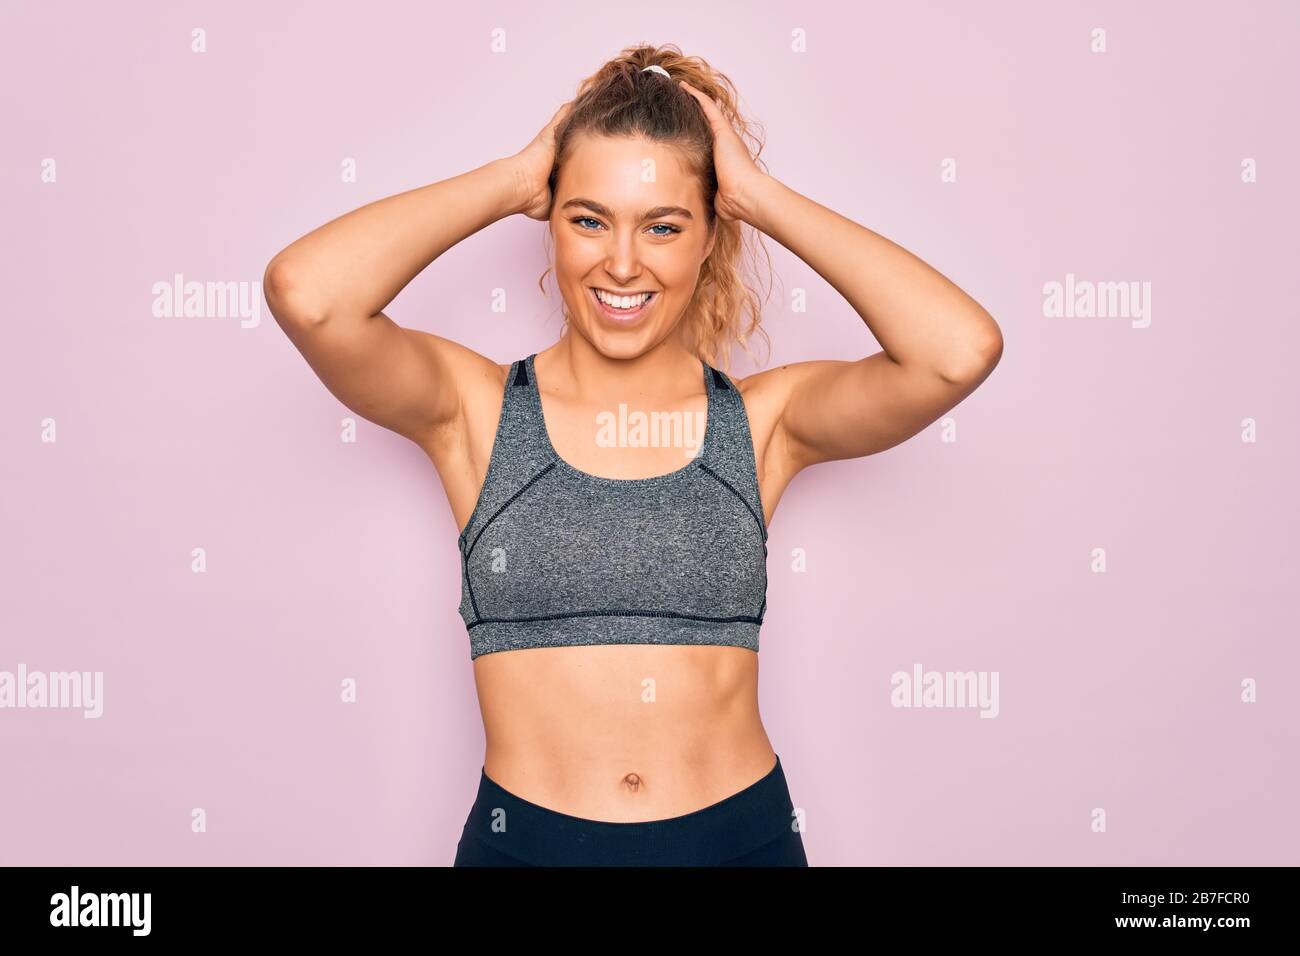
[633, 782]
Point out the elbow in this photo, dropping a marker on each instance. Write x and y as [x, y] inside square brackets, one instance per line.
[289, 295]
[975, 363]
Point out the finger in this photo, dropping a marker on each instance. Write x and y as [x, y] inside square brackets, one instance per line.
[711, 111]
[560, 114]
[707, 104]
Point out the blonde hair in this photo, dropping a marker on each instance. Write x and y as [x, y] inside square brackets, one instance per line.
[623, 99]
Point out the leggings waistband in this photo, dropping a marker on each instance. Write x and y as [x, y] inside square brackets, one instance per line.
[711, 835]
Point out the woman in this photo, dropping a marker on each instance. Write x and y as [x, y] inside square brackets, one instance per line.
[613, 587]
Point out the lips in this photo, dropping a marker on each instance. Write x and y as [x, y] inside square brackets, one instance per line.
[623, 316]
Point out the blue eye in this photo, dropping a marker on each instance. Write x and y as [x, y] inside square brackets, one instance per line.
[659, 225]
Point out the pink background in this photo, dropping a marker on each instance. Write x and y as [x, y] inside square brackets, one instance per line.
[329, 560]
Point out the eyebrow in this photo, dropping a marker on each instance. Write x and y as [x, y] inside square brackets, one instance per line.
[658, 212]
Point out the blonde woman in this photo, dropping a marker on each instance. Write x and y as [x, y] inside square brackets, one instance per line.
[613, 590]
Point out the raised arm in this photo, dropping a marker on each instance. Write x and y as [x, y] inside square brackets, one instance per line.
[939, 343]
[327, 290]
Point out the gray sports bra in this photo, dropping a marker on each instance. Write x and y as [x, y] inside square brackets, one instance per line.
[553, 556]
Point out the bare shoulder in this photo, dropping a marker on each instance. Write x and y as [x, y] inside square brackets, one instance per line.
[766, 395]
[772, 386]
[763, 394]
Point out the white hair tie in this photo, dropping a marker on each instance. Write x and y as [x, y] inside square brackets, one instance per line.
[658, 69]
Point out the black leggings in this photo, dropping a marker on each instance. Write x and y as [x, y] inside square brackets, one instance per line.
[754, 827]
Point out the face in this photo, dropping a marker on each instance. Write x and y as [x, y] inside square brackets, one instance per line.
[627, 219]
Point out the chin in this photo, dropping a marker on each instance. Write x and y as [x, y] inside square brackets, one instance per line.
[615, 344]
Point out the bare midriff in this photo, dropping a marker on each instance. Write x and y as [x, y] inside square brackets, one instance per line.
[623, 732]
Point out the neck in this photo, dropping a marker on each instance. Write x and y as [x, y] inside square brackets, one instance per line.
[574, 366]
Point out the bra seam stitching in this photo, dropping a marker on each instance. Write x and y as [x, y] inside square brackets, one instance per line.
[497, 437]
[620, 612]
[748, 507]
[508, 502]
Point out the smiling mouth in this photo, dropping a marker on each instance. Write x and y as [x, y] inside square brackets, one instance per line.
[637, 303]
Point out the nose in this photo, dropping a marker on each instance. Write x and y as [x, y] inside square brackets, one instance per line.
[622, 260]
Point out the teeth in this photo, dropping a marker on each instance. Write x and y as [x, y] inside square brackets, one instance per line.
[622, 301]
